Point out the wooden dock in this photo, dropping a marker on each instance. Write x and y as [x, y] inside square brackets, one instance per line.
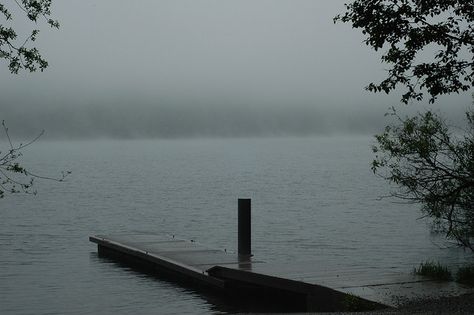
[306, 286]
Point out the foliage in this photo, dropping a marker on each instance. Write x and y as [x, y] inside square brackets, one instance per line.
[433, 270]
[429, 45]
[17, 52]
[410, 31]
[465, 275]
[14, 178]
[432, 166]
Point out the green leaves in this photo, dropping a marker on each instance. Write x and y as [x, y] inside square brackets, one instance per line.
[431, 166]
[425, 43]
[440, 30]
[6, 13]
[17, 54]
[14, 178]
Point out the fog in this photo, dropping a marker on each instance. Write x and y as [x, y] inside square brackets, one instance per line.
[124, 69]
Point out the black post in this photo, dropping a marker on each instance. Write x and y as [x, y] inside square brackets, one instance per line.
[244, 229]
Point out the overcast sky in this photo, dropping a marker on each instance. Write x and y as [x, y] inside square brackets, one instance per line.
[176, 68]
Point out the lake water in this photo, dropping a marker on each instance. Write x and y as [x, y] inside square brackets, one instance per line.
[312, 198]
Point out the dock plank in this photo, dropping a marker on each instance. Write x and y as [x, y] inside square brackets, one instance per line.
[205, 257]
[159, 261]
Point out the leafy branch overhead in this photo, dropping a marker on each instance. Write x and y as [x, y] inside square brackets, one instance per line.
[428, 43]
[432, 166]
[14, 178]
[19, 53]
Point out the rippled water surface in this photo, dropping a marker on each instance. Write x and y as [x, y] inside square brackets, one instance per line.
[312, 198]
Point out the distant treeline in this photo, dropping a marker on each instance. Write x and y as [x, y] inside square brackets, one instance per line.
[176, 121]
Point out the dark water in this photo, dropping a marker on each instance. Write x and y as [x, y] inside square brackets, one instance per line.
[312, 198]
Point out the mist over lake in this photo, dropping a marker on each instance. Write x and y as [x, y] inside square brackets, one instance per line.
[167, 69]
[166, 113]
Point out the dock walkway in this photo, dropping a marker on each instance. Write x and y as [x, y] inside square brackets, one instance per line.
[316, 288]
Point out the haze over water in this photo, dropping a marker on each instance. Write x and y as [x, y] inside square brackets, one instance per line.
[168, 111]
[200, 68]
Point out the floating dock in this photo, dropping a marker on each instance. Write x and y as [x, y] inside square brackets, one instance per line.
[296, 286]
[305, 286]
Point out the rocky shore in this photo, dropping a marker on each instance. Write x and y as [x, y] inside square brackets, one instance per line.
[463, 304]
[456, 305]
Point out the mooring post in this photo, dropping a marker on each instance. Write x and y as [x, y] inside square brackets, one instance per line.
[244, 229]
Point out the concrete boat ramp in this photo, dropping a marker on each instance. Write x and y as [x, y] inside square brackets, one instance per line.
[305, 286]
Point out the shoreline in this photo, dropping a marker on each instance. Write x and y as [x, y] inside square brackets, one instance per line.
[458, 304]
[461, 304]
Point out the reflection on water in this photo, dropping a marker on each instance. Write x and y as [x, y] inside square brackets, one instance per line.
[186, 291]
[312, 199]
